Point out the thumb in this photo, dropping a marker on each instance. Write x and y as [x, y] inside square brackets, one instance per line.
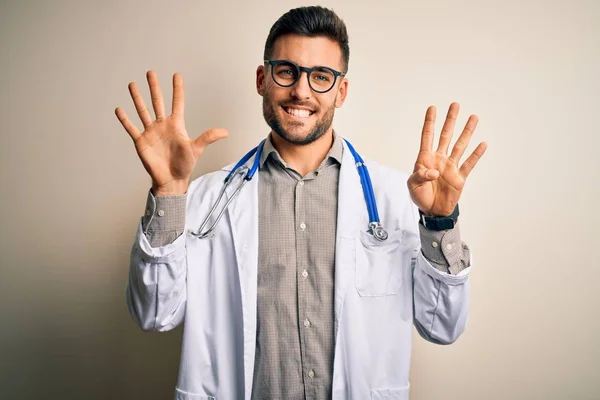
[207, 138]
[423, 175]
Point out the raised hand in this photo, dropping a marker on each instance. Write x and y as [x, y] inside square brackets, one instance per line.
[165, 148]
[437, 182]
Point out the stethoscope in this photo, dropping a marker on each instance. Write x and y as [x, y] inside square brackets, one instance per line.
[375, 227]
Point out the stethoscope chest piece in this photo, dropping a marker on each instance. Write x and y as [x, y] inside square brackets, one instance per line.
[377, 231]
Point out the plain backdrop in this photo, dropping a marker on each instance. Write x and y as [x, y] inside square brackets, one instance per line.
[73, 189]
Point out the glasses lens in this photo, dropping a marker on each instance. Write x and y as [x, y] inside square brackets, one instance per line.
[285, 74]
[322, 79]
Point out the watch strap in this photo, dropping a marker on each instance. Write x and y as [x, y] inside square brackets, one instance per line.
[439, 223]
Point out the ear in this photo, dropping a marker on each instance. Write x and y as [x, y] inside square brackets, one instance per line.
[342, 92]
[260, 80]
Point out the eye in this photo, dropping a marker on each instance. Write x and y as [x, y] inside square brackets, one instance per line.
[321, 77]
[285, 71]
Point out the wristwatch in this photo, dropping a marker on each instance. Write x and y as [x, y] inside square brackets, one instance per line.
[439, 223]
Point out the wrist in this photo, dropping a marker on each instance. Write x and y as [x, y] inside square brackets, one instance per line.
[438, 223]
[170, 189]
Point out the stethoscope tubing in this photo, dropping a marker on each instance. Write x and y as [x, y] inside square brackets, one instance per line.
[375, 226]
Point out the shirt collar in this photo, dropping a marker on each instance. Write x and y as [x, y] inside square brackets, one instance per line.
[335, 152]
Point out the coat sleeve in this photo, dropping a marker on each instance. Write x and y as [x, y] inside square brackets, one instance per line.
[440, 300]
[156, 290]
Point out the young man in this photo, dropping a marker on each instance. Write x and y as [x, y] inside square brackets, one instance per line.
[297, 293]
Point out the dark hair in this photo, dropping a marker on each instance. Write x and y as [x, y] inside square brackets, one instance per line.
[313, 21]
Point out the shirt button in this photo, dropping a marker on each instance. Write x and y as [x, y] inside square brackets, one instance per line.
[301, 183]
[303, 226]
[161, 213]
[449, 247]
[304, 274]
[311, 374]
[306, 323]
[148, 213]
[434, 244]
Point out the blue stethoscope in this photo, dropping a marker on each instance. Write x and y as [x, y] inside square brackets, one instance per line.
[375, 227]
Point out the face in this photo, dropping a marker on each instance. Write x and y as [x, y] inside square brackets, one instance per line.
[297, 113]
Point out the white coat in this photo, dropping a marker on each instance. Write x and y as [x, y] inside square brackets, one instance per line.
[381, 289]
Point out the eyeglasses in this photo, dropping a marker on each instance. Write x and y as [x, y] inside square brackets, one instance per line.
[286, 73]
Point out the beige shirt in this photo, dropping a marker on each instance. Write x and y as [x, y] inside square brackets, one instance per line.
[297, 229]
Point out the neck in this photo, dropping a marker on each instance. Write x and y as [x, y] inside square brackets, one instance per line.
[305, 158]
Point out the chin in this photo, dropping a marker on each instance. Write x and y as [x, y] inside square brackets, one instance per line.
[299, 137]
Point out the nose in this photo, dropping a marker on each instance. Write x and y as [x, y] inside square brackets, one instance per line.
[301, 89]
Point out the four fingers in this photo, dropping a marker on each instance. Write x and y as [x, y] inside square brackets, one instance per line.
[459, 147]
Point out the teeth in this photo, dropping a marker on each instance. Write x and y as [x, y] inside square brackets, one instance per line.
[299, 113]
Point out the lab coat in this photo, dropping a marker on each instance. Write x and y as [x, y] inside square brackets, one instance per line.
[381, 289]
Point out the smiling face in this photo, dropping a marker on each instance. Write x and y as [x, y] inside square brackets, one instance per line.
[297, 113]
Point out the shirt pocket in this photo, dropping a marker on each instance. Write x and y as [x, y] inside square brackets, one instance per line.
[379, 264]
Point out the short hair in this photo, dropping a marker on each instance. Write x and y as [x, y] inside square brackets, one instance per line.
[313, 21]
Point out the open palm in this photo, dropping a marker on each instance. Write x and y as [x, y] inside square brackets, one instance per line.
[437, 181]
[164, 147]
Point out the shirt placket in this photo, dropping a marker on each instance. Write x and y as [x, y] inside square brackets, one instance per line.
[303, 286]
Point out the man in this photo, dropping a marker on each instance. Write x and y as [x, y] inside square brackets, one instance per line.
[293, 295]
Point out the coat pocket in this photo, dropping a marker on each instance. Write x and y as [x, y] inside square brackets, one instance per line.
[391, 394]
[379, 264]
[181, 395]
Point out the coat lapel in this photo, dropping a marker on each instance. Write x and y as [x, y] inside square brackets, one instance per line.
[352, 212]
[243, 220]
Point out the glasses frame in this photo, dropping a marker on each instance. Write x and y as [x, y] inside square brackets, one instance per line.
[299, 70]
